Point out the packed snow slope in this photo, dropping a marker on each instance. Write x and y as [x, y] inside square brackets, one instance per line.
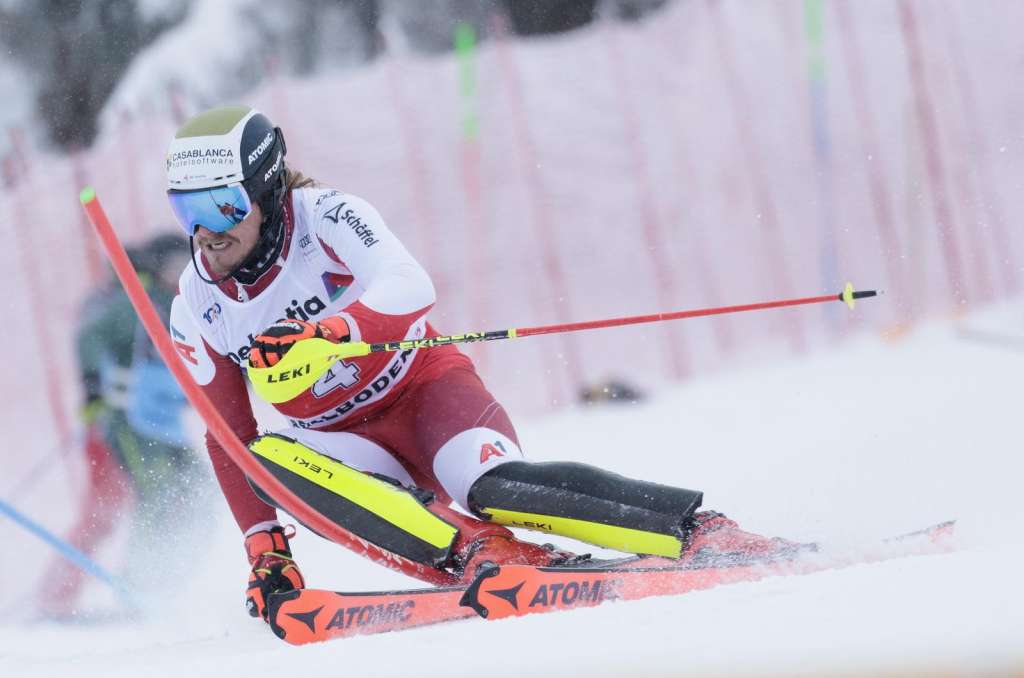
[876, 435]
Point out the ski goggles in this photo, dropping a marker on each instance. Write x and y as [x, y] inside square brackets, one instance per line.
[217, 209]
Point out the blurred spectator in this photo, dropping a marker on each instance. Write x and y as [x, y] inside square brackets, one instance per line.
[612, 390]
[538, 17]
[140, 468]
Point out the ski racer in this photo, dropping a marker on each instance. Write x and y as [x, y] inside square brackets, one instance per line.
[278, 259]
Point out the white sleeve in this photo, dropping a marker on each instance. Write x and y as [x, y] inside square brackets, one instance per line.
[394, 281]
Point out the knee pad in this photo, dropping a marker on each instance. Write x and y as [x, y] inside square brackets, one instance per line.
[586, 503]
[375, 508]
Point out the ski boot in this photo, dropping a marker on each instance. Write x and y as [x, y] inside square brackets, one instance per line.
[714, 540]
[499, 549]
[481, 545]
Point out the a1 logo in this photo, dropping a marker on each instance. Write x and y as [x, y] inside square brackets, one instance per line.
[495, 449]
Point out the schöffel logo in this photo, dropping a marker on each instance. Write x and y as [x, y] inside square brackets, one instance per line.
[212, 313]
[362, 231]
[262, 147]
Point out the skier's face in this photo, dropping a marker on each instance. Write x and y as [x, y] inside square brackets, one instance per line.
[224, 251]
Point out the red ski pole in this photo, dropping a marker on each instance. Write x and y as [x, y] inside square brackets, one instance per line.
[309, 359]
[848, 295]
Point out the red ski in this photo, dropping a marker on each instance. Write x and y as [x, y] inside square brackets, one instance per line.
[313, 615]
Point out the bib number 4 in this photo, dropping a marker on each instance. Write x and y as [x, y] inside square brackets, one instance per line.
[341, 375]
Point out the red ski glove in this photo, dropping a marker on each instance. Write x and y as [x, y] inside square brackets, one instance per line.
[272, 343]
[273, 570]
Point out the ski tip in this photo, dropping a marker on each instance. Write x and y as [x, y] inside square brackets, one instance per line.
[937, 532]
[87, 195]
[849, 295]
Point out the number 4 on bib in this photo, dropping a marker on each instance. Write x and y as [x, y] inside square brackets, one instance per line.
[340, 375]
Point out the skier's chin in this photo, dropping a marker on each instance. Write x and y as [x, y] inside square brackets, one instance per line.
[223, 261]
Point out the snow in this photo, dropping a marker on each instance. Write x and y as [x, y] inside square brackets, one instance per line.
[872, 436]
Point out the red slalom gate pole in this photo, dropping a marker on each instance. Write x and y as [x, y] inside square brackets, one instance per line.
[25, 242]
[925, 112]
[220, 429]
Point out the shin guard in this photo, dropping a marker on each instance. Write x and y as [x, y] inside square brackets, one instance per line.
[377, 509]
[586, 503]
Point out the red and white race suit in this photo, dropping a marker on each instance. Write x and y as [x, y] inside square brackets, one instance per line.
[421, 416]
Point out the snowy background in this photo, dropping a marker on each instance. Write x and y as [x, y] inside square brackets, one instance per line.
[869, 439]
[712, 153]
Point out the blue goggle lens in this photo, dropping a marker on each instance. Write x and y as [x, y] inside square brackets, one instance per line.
[217, 209]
